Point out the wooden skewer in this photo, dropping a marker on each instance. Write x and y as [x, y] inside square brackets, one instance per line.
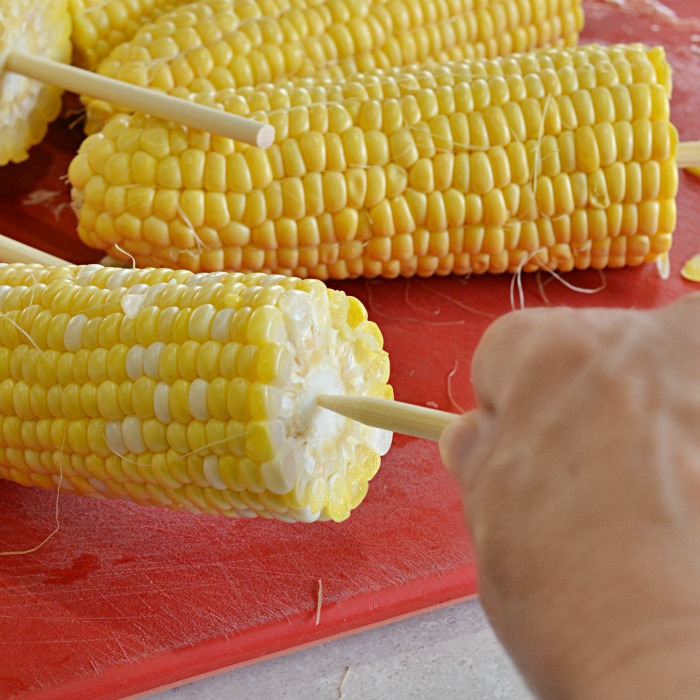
[141, 99]
[688, 154]
[14, 251]
[399, 417]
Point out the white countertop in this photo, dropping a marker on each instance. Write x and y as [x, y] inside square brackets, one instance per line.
[448, 654]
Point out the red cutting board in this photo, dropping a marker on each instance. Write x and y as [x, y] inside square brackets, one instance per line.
[123, 600]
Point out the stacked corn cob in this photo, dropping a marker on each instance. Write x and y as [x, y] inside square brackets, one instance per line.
[191, 392]
[215, 44]
[560, 158]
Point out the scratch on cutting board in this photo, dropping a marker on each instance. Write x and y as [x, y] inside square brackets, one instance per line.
[319, 601]
[341, 688]
[127, 658]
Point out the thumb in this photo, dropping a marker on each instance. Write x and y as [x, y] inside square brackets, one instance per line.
[461, 441]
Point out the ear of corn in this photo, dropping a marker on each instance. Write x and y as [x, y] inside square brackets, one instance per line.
[40, 27]
[192, 392]
[100, 25]
[561, 159]
[216, 45]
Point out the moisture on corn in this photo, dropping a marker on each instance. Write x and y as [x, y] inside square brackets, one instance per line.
[100, 25]
[225, 43]
[559, 158]
[192, 392]
[42, 28]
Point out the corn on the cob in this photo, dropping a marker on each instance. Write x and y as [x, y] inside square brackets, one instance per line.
[41, 27]
[100, 25]
[560, 158]
[207, 47]
[192, 392]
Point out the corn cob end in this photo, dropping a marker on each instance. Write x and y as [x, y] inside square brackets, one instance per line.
[192, 392]
[42, 28]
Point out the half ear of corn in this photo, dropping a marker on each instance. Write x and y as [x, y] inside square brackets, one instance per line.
[42, 28]
[192, 392]
[218, 44]
[557, 159]
[100, 25]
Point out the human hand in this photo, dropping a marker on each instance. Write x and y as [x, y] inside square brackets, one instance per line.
[581, 476]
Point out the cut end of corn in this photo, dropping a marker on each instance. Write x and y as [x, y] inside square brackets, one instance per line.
[557, 159]
[192, 392]
[41, 28]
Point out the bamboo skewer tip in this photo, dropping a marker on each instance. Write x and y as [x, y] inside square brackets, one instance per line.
[265, 136]
[396, 416]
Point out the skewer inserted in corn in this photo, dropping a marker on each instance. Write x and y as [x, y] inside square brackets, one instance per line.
[557, 159]
[192, 392]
